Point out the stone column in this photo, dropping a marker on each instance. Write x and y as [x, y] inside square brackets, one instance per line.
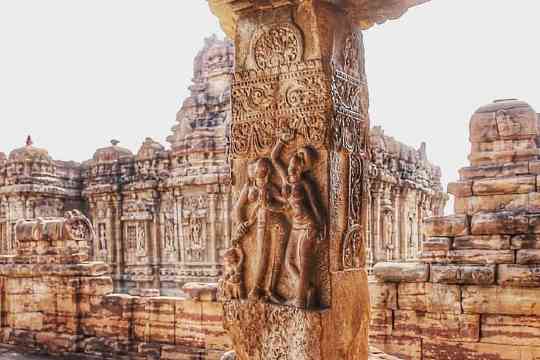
[396, 205]
[156, 241]
[376, 228]
[212, 216]
[299, 149]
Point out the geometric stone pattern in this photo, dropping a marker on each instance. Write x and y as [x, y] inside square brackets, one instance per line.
[474, 295]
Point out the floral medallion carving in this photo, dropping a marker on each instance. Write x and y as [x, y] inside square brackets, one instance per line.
[277, 45]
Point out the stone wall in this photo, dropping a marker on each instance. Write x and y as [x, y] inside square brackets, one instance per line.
[474, 295]
[54, 300]
[405, 188]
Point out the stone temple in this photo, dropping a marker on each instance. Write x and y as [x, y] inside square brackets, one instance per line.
[278, 224]
[163, 216]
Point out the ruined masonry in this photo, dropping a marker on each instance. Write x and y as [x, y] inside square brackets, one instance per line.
[474, 294]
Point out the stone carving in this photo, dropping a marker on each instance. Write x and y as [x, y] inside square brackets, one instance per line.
[353, 248]
[351, 51]
[102, 237]
[277, 45]
[231, 286]
[306, 218]
[264, 104]
[270, 226]
[141, 238]
[74, 227]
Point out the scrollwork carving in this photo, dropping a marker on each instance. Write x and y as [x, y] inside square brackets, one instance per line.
[353, 248]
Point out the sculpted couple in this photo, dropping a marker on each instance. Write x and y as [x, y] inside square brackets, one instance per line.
[286, 223]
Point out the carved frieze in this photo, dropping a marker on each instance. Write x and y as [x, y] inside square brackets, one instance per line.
[266, 101]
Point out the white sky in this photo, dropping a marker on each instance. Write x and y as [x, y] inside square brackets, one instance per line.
[76, 74]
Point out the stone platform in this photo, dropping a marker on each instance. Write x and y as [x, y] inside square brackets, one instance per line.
[7, 353]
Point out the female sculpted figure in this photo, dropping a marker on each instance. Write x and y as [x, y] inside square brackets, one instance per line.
[271, 225]
[306, 219]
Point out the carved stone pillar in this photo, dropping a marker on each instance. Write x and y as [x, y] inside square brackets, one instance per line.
[156, 241]
[397, 220]
[299, 149]
[212, 246]
[376, 193]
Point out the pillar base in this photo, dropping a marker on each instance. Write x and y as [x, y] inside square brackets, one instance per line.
[263, 331]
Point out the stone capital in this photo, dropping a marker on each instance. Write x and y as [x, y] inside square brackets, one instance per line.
[362, 13]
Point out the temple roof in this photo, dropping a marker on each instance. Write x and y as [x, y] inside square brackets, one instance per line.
[363, 13]
[149, 149]
[111, 153]
[29, 152]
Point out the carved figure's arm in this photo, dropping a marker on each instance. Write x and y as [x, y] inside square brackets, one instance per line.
[238, 212]
[278, 164]
[240, 260]
[279, 202]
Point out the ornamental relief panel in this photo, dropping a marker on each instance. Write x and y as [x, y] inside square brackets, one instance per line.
[276, 45]
[265, 102]
[195, 227]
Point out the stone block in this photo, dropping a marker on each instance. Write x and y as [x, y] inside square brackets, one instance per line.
[436, 349]
[525, 241]
[429, 297]
[20, 304]
[503, 157]
[215, 336]
[502, 186]
[519, 275]
[99, 285]
[434, 257]
[501, 301]
[497, 170]
[463, 274]
[475, 204]
[446, 226]
[19, 285]
[383, 295]
[457, 327]
[460, 188]
[402, 347]
[437, 244]
[381, 322]
[482, 242]
[189, 327]
[534, 202]
[201, 291]
[481, 257]
[505, 222]
[511, 330]
[534, 223]
[528, 256]
[401, 271]
[32, 321]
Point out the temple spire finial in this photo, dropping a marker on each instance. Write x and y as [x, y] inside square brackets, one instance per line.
[29, 141]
